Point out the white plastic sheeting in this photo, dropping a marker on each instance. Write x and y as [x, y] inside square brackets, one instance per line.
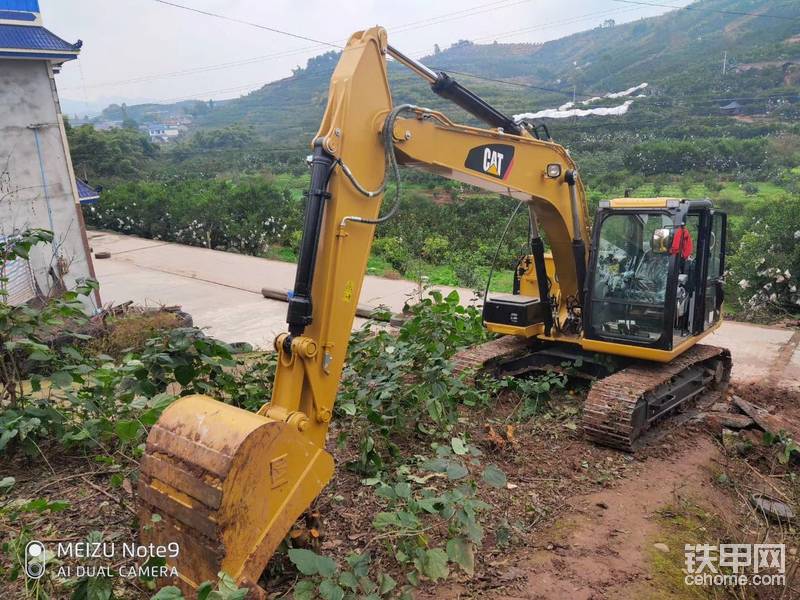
[557, 113]
[627, 92]
[567, 110]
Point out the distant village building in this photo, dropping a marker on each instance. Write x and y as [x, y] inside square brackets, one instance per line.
[731, 109]
[107, 125]
[37, 183]
[161, 132]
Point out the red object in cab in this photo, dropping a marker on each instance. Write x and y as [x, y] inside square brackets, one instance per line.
[682, 243]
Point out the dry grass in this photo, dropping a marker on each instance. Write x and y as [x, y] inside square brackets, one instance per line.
[130, 331]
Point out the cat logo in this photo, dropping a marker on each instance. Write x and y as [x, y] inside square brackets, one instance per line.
[491, 159]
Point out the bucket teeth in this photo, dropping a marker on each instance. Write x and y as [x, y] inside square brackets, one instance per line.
[227, 485]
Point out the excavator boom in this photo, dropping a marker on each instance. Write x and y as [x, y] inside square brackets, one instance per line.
[228, 484]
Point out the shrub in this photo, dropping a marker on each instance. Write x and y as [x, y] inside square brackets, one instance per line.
[435, 249]
[763, 271]
[244, 216]
[712, 154]
[398, 385]
[750, 188]
[393, 250]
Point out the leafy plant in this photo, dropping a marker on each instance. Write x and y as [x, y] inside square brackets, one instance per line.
[789, 448]
[15, 548]
[324, 579]
[405, 382]
[226, 589]
[535, 391]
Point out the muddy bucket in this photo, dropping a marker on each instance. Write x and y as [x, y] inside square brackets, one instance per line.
[228, 485]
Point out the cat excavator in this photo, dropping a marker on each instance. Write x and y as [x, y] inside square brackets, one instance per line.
[629, 298]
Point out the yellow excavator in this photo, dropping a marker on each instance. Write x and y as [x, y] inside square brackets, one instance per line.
[643, 286]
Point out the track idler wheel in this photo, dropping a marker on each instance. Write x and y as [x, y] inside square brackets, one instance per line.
[228, 485]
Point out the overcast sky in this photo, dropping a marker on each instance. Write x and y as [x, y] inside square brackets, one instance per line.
[149, 42]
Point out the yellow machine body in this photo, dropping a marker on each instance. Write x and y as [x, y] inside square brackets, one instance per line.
[228, 484]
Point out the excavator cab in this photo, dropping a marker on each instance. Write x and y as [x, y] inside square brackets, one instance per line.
[656, 271]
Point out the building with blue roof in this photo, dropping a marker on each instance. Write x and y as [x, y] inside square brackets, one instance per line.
[23, 36]
[38, 188]
[86, 193]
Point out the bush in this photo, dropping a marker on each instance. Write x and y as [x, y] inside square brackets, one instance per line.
[399, 385]
[713, 154]
[393, 250]
[434, 249]
[244, 216]
[750, 188]
[763, 271]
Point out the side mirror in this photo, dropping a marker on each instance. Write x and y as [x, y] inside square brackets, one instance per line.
[661, 240]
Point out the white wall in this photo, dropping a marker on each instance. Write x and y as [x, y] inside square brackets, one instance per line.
[28, 97]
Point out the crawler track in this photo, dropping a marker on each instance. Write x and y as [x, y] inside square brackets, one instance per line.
[484, 356]
[622, 407]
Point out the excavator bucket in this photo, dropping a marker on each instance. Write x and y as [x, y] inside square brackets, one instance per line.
[227, 485]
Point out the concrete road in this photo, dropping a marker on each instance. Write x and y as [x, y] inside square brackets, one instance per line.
[222, 291]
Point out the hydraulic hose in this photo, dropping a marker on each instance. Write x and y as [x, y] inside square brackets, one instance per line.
[391, 160]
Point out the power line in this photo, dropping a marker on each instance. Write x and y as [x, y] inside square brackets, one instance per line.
[195, 70]
[456, 15]
[519, 84]
[585, 94]
[575, 19]
[468, 12]
[571, 20]
[249, 23]
[431, 20]
[713, 10]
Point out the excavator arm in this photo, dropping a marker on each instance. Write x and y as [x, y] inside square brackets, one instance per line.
[228, 484]
[539, 173]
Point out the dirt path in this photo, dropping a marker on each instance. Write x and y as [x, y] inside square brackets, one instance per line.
[602, 548]
[626, 542]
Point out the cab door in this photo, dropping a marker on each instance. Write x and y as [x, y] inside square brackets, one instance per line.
[714, 278]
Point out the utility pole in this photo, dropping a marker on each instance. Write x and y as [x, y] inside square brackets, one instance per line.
[724, 62]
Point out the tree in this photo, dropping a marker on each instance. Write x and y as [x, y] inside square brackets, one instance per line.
[114, 153]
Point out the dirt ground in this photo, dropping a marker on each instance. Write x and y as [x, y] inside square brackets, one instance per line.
[626, 539]
[576, 522]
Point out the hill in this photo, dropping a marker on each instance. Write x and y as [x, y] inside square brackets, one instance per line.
[679, 54]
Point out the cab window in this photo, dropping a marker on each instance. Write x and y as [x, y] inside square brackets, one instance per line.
[631, 276]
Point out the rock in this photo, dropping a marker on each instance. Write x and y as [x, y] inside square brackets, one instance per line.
[661, 547]
[767, 421]
[772, 508]
[717, 421]
[602, 505]
[722, 407]
[733, 421]
[730, 439]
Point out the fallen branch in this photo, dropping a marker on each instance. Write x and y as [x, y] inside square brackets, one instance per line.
[108, 494]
